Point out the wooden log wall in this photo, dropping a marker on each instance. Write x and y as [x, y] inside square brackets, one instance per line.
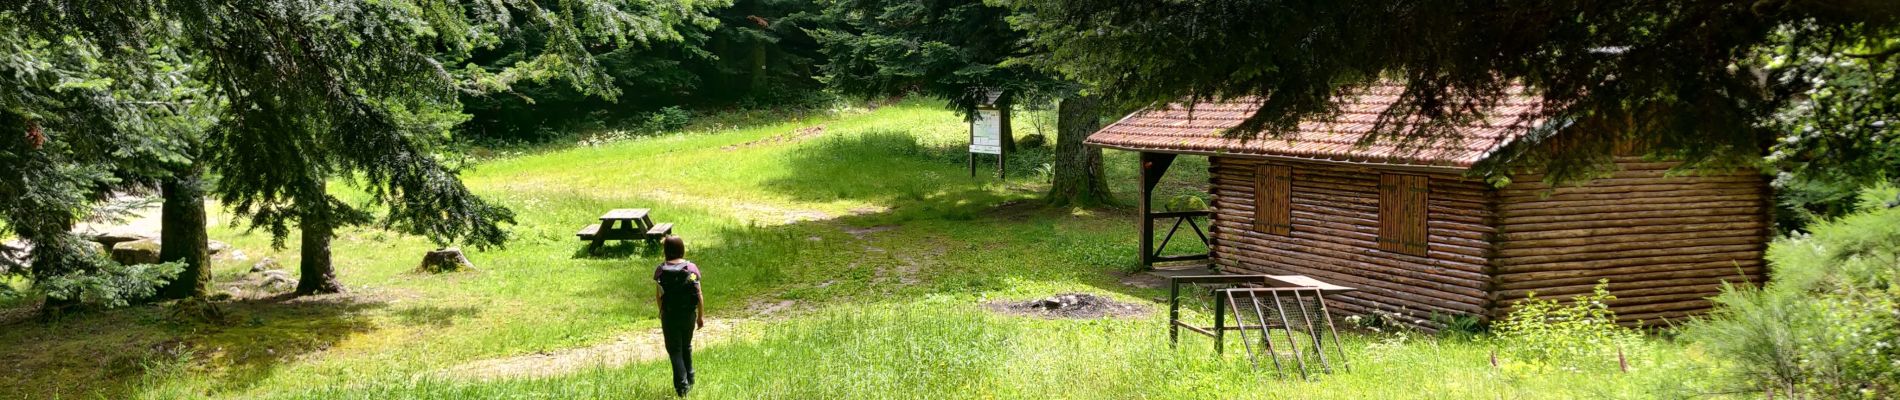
[1334, 238]
[1665, 243]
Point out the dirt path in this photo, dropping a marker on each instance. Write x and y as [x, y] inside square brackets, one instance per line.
[627, 349]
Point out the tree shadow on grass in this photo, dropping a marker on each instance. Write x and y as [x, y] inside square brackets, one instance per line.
[118, 353]
[890, 167]
[435, 316]
[615, 250]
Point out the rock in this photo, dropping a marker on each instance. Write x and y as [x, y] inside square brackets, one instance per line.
[445, 260]
[111, 239]
[238, 255]
[216, 247]
[277, 280]
[143, 251]
[264, 265]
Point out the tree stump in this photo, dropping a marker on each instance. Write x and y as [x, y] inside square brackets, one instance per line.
[445, 260]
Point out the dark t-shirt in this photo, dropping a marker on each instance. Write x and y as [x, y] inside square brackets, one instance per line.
[690, 268]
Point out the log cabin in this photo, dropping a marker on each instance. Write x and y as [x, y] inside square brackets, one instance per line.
[1419, 233]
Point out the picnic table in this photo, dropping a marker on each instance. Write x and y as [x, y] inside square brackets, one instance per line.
[624, 224]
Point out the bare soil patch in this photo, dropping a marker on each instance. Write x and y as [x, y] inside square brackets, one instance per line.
[626, 349]
[788, 137]
[860, 233]
[1070, 305]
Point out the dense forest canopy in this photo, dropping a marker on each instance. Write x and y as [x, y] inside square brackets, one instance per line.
[1713, 82]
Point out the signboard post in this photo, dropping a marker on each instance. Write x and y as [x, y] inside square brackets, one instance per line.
[986, 136]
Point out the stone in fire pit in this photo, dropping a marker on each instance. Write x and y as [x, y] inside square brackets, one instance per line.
[1070, 305]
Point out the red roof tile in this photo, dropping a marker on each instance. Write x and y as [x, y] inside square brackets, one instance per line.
[1202, 128]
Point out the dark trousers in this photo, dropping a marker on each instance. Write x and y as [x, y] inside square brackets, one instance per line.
[678, 329]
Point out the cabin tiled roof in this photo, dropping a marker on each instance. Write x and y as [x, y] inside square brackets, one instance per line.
[1202, 128]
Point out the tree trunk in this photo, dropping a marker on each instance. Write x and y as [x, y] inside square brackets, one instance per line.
[1078, 171]
[757, 83]
[315, 273]
[182, 234]
[1008, 134]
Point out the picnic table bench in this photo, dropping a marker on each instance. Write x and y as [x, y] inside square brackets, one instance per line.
[624, 224]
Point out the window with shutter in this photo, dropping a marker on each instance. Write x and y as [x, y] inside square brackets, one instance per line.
[1402, 213]
[1273, 199]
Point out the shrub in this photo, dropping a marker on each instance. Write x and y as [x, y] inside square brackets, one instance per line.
[1459, 326]
[665, 119]
[1829, 322]
[112, 285]
[1582, 335]
[1032, 141]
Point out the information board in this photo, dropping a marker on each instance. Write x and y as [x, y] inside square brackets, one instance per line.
[986, 132]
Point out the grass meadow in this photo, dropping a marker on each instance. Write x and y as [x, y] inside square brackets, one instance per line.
[847, 254]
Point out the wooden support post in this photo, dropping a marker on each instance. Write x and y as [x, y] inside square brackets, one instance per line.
[1153, 167]
[1174, 313]
[1220, 322]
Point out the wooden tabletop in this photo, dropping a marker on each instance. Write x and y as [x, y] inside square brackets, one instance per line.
[624, 214]
[1305, 281]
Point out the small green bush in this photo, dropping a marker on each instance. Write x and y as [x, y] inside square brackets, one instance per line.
[1582, 335]
[669, 118]
[112, 285]
[1828, 325]
[1032, 141]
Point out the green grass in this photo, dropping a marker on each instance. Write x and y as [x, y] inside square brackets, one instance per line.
[894, 311]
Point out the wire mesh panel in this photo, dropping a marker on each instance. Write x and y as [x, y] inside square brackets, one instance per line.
[1287, 327]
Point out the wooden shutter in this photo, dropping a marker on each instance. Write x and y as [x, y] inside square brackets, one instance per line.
[1273, 199]
[1402, 213]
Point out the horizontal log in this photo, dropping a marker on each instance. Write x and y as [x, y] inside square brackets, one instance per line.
[1362, 240]
[1566, 195]
[1456, 249]
[1264, 254]
[1635, 216]
[1619, 223]
[1375, 291]
[1512, 242]
[1658, 243]
[1451, 273]
[1439, 227]
[1627, 254]
[1641, 173]
[1442, 210]
[1616, 285]
[1653, 276]
[1624, 207]
[1572, 204]
[1621, 302]
[1506, 275]
[1370, 183]
[1533, 238]
[1623, 189]
[1637, 181]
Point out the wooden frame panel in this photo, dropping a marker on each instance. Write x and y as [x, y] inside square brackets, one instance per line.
[1402, 213]
[1273, 199]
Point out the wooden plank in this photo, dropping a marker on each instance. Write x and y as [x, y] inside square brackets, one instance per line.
[624, 214]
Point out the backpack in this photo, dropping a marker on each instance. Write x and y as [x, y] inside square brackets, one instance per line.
[679, 288]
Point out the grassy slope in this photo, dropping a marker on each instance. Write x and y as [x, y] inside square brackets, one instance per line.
[887, 313]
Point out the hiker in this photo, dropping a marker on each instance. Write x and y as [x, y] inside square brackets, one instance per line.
[682, 309]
